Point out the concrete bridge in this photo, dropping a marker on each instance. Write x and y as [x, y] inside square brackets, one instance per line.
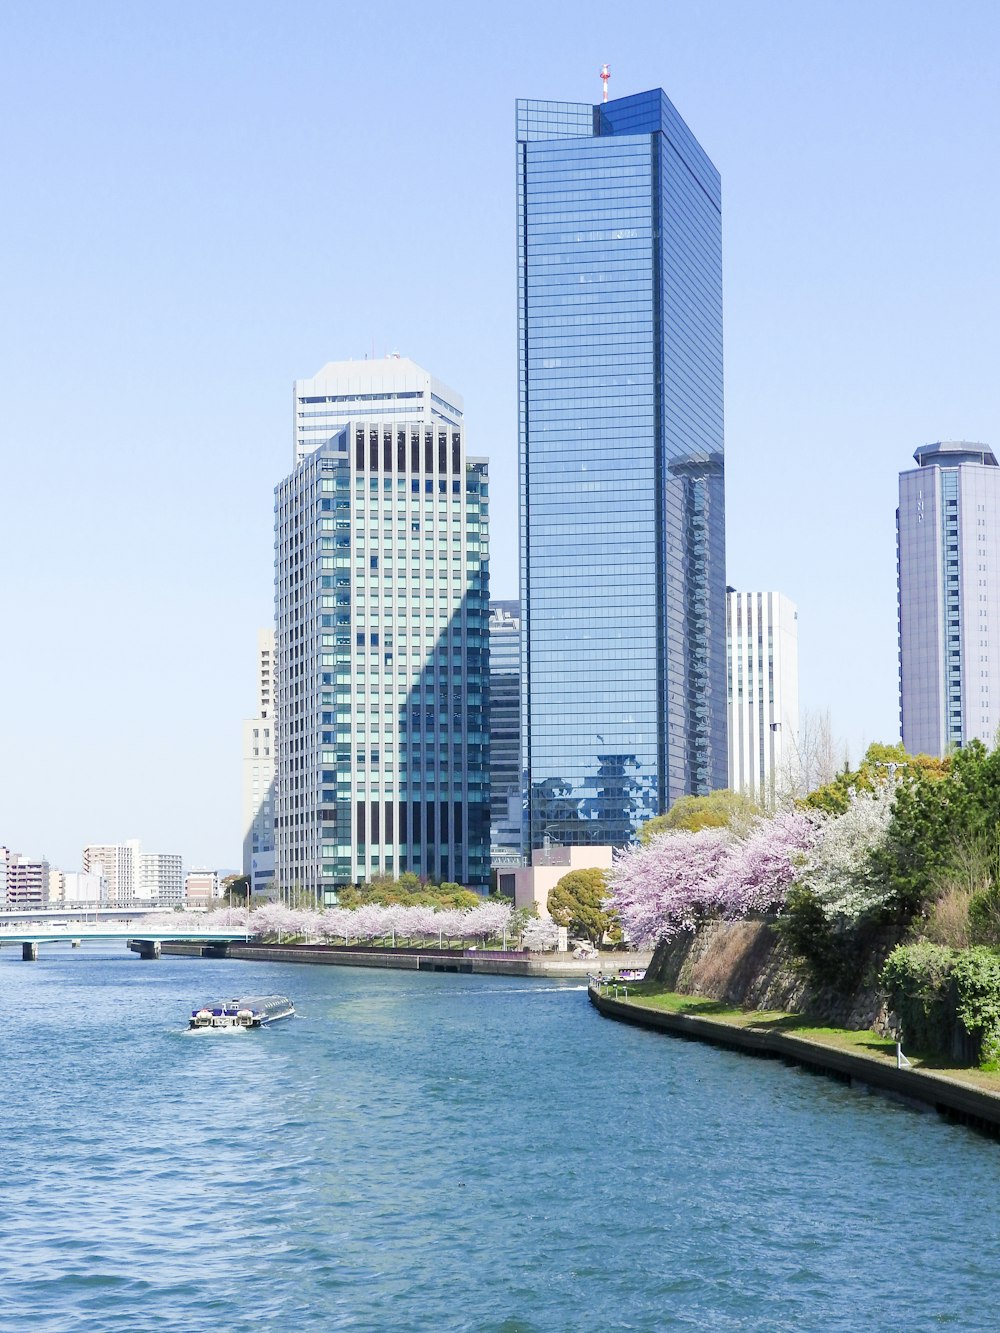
[147, 944]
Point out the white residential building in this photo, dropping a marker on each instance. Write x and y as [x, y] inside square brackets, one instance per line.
[762, 653]
[258, 774]
[160, 879]
[948, 575]
[134, 876]
[118, 862]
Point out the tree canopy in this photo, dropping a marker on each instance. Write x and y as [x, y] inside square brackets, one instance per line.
[577, 902]
[718, 809]
[878, 763]
[408, 890]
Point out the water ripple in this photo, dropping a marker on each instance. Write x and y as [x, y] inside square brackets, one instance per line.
[486, 1154]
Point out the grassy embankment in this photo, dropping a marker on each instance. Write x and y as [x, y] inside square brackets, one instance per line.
[866, 1043]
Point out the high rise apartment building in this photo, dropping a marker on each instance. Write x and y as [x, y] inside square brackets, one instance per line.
[763, 668]
[258, 774]
[161, 879]
[947, 530]
[133, 876]
[26, 881]
[505, 733]
[621, 448]
[381, 611]
[118, 862]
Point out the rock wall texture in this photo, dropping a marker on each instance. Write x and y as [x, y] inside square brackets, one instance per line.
[746, 964]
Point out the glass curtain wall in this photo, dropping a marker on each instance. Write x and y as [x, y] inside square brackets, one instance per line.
[622, 506]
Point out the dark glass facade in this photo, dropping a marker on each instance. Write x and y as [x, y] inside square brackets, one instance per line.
[621, 450]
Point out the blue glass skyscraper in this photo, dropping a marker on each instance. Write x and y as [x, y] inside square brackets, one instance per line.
[621, 453]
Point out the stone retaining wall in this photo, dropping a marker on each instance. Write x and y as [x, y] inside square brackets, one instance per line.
[747, 964]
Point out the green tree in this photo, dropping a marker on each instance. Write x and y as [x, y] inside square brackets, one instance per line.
[718, 809]
[879, 760]
[943, 829]
[408, 890]
[236, 890]
[576, 902]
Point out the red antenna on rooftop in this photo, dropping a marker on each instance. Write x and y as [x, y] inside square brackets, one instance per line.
[605, 75]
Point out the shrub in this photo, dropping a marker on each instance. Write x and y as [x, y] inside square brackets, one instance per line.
[984, 915]
[948, 918]
[947, 1000]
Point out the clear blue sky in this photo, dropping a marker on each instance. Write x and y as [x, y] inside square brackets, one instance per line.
[203, 201]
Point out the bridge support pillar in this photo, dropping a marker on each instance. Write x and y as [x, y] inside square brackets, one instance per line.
[29, 951]
[149, 948]
[75, 944]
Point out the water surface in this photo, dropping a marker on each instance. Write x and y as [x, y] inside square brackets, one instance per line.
[420, 1151]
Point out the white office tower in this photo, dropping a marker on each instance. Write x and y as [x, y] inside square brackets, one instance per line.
[762, 650]
[381, 608]
[948, 578]
[391, 389]
[135, 877]
[258, 775]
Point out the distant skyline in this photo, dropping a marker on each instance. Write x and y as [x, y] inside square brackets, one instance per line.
[206, 202]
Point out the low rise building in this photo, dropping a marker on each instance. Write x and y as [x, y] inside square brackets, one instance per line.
[201, 887]
[81, 889]
[530, 885]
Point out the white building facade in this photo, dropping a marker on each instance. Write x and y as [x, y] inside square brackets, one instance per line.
[161, 880]
[392, 388]
[258, 774]
[133, 876]
[762, 650]
[948, 578]
[381, 607]
[80, 889]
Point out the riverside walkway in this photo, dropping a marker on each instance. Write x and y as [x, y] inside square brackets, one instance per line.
[484, 962]
[145, 942]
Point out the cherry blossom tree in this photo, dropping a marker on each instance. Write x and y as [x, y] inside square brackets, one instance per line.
[665, 886]
[538, 935]
[757, 871]
[678, 879]
[838, 868]
[489, 921]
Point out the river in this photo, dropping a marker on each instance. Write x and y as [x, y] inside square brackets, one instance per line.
[431, 1152]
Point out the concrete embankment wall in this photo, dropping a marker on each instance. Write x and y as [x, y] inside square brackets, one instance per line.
[948, 1097]
[519, 965]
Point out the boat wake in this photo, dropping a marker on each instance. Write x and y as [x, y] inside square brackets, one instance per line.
[215, 1032]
